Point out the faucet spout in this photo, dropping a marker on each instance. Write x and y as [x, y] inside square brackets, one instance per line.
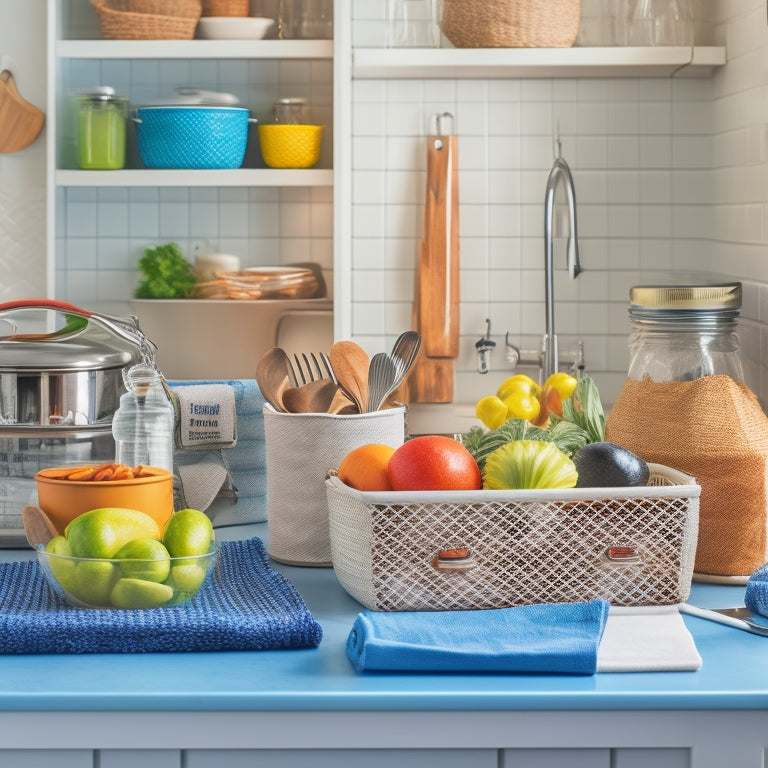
[560, 172]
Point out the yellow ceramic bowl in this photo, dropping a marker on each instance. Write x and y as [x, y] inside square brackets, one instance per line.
[290, 146]
[64, 500]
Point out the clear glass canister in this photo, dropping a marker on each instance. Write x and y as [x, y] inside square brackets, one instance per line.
[682, 333]
[685, 405]
[291, 111]
[101, 129]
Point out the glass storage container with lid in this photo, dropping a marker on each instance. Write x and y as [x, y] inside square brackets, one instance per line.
[291, 111]
[685, 405]
[101, 129]
[681, 333]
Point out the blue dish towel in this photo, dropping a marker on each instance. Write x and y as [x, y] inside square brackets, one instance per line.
[756, 593]
[244, 605]
[558, 638]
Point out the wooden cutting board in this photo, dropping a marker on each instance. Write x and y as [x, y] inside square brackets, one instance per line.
[20, 121]
[436, 285]
[439, 258]
[431, 380]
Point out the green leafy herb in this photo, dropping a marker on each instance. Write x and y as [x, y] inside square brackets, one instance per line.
[585, 408]
[167, 274]
[568, 437]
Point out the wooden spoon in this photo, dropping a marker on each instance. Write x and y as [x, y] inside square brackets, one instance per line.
[38, 527]
[274, 376]
[350, 364]
[313, 397]
[20, 121]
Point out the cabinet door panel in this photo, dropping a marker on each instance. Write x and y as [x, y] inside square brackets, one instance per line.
[46, 758]
[658, 758]
[146, 758]
[556, 758]
[342, 758]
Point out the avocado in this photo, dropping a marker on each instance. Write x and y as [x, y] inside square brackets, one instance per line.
[607, 465]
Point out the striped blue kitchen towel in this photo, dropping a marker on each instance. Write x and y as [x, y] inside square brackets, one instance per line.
[561, 638]
[245, 605]
[246, 462]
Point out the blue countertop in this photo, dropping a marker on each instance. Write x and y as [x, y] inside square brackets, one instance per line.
[734, 674]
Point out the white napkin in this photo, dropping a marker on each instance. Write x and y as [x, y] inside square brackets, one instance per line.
[647, 639]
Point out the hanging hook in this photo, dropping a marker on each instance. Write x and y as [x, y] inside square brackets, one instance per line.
[438, 118]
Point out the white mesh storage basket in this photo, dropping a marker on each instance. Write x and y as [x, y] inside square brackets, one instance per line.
[409, 551]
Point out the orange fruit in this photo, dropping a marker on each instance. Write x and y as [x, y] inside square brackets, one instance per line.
[433, 463]
[365, 467]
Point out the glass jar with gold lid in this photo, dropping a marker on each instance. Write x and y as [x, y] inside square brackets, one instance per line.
[684, 332]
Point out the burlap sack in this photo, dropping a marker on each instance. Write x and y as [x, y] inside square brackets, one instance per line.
[714, 429]
[301, 448]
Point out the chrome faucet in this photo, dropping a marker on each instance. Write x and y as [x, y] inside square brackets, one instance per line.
[547, 358]
[560, 172]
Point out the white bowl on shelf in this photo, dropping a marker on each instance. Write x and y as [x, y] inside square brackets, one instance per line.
[233, 27]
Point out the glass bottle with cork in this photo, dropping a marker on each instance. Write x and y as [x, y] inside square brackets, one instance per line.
[685, 405]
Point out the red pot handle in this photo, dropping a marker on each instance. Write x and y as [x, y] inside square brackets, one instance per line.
[62, 306]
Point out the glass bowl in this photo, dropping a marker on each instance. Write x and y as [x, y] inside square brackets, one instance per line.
[86, 582]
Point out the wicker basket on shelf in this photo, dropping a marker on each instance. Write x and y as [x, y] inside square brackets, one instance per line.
[510, 23]
[226, 7]
[139, 19]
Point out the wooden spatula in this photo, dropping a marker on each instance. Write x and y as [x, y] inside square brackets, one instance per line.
[20, 121]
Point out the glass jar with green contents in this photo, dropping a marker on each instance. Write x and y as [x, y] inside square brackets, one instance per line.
[101, 129]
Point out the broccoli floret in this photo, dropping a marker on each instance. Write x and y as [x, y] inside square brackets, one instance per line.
[168, 275]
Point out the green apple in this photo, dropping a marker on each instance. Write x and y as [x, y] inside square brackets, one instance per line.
[138, 593]
[144, 559]
[100, 533]
[188, 533]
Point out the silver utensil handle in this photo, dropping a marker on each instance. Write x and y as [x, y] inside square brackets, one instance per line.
[705, 613]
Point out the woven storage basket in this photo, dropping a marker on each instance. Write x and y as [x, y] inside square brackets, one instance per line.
[630, 546]
[120, 19]
[226, 7]
[510, 23]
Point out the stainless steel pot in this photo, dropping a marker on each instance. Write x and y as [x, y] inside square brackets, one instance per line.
[70, 375]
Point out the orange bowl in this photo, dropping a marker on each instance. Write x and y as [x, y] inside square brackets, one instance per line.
[64, 500]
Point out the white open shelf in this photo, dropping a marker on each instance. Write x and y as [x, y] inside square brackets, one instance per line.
[194, 49]
[241, 177]
[426, 63]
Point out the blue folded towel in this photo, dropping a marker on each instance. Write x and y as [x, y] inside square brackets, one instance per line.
[244, 605]
[756, 593]
[558, 638]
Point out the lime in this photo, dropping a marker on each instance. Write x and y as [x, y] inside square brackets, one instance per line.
[62, 568]
[92, 581]
[187, 577]
[189, 532]
[144, 559]
[102, 532]
[138, 593]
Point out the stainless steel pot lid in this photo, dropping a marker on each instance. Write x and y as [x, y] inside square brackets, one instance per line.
[85, 341]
